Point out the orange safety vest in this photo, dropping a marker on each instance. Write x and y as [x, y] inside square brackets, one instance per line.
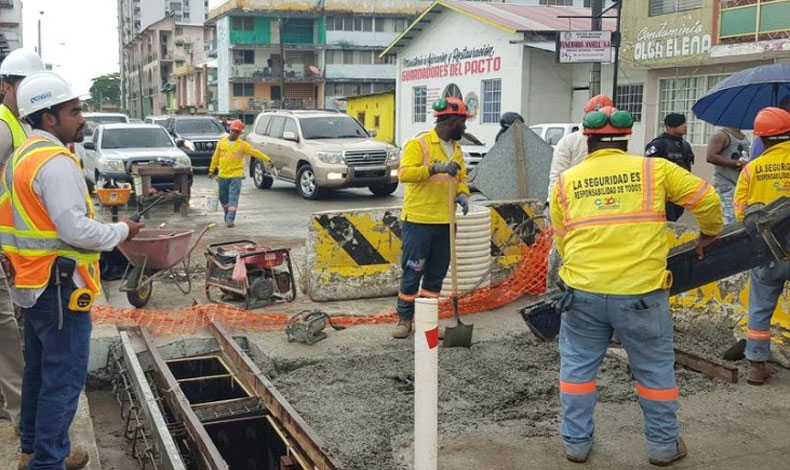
[28, 237]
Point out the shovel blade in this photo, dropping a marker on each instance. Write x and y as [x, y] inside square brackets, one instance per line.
[459, 336]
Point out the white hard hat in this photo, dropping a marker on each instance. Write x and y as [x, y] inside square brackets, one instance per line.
[43, 90]
[21, 63]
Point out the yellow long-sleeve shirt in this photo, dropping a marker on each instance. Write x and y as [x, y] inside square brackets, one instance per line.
[763, 180]
[426, 198]
[229, 157]
[610, 223]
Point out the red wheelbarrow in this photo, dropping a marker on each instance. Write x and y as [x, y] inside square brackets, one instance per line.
[152, 254]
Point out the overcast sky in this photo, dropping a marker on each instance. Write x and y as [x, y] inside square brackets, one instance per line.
[78, 37]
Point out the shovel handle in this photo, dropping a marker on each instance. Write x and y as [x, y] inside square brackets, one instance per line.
[453, 265]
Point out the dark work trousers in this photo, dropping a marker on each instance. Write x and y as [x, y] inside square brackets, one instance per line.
[674, 212]
[56, 367]
[426, 257]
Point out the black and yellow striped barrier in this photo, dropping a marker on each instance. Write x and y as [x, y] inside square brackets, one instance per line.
[506, 217]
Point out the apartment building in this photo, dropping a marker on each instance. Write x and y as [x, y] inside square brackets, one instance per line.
[149, 60]
[298, 55]
[10, 26]
[195, 88]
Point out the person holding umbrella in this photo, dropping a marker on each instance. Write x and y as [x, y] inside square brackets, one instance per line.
[761, 182]
[728, 150]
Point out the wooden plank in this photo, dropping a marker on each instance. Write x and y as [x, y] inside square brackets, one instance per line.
[706, 366]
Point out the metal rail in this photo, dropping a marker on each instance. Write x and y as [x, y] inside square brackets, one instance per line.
[305, 439]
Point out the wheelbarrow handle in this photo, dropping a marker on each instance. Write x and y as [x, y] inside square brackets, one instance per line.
[200, 237]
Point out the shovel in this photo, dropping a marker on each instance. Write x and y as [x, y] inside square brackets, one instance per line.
[460, 335]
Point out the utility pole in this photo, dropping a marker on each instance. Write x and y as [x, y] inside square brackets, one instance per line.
[595, 73]
[616, 43]
[40, 14]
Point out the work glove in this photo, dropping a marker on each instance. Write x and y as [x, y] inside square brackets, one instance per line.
[451, 168]
[463, 201]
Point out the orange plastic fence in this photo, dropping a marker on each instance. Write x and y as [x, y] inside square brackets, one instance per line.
[528, 278]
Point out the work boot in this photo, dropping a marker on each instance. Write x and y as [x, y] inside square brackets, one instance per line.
[682, 451]
[402, 329]
[229, 223]
[757, 373]
[577, 458]
[78, 458]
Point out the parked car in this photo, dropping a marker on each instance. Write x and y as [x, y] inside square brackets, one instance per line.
[161, 120]
[114, 148]
[136, 121]
[199, 134]
[92, 120]
[320, 150]
[552, 133]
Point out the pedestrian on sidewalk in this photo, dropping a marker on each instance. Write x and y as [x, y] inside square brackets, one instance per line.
[227, 164]
[728, 150]
[430, 163]
[761, 182]
[51, 243]
[671, 146]
[608, 218]
[15, 67]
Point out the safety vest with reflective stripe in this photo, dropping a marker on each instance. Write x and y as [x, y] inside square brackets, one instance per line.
[28, 236]
[18, 134]
[763, 180]
[426, 198]
[610, 223]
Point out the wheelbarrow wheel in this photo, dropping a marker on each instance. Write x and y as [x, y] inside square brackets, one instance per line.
[138, 297]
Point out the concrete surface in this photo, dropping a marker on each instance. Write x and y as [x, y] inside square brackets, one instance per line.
[81, 433]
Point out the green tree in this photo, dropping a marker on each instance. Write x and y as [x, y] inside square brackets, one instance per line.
[106, 88]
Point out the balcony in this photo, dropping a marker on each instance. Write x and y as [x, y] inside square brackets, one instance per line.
[287, 103]
[753, 20]
[361, 71]
[251, 72]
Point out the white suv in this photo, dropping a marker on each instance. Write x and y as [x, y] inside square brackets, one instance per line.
[319, 150]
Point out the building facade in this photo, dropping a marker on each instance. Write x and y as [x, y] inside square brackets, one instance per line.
[296, 55]
[149, 60]
[193, 93]
[10, 26]
[376, 112]
[686, 48]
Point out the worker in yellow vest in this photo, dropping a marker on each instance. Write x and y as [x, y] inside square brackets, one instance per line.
[430, 163]
[227, 164]
[761, 182]
[16, 66]
[51, 244]
[608, 214]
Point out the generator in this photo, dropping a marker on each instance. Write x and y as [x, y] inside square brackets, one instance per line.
[249, 275]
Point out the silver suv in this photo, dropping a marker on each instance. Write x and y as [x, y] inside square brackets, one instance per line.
[320, 150]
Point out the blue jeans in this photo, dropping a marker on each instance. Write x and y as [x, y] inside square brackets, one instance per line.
[426, 257]
[767, 284]
[56, 367]
[229, 192]
[643, 324]
[727, 194]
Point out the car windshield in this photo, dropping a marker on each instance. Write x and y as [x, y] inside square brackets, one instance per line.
[92, 122]
[335, 127]
[198, 126]
[135, 138]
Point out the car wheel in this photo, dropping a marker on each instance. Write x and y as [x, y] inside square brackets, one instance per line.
[260, 177]
[306, 183]
[383, 189]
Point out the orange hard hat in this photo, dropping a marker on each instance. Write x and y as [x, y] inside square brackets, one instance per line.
[597, 102]
[771, 122]
[608, 121]
[237, 126]
[450, 107]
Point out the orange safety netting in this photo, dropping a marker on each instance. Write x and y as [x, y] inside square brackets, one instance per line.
[528, 278]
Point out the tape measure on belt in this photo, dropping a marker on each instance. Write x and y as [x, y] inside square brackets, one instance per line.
[81, 300]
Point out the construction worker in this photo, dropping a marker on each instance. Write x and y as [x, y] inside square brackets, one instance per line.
[228, 164]
[569, 151]
[728, 151]
[610, 229]
[51, 245]
[430, 164]
[16, 66]
[671, 146]
[758, 147]
[761, 182]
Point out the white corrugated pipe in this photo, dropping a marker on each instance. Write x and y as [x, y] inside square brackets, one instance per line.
[473, 250]
[426, 383]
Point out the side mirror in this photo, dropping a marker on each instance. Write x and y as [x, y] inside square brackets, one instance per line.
[373, 132]
[289, 135]
[179, 142]
[88, 146]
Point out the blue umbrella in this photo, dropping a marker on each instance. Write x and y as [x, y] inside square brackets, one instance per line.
[736, 100]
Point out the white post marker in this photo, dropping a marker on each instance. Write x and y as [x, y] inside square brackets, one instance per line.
[426, 383]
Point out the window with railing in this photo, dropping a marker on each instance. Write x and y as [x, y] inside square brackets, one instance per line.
[678, 95]
[664, 7]
[754, 20]
[420, 103]
[629, 98]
